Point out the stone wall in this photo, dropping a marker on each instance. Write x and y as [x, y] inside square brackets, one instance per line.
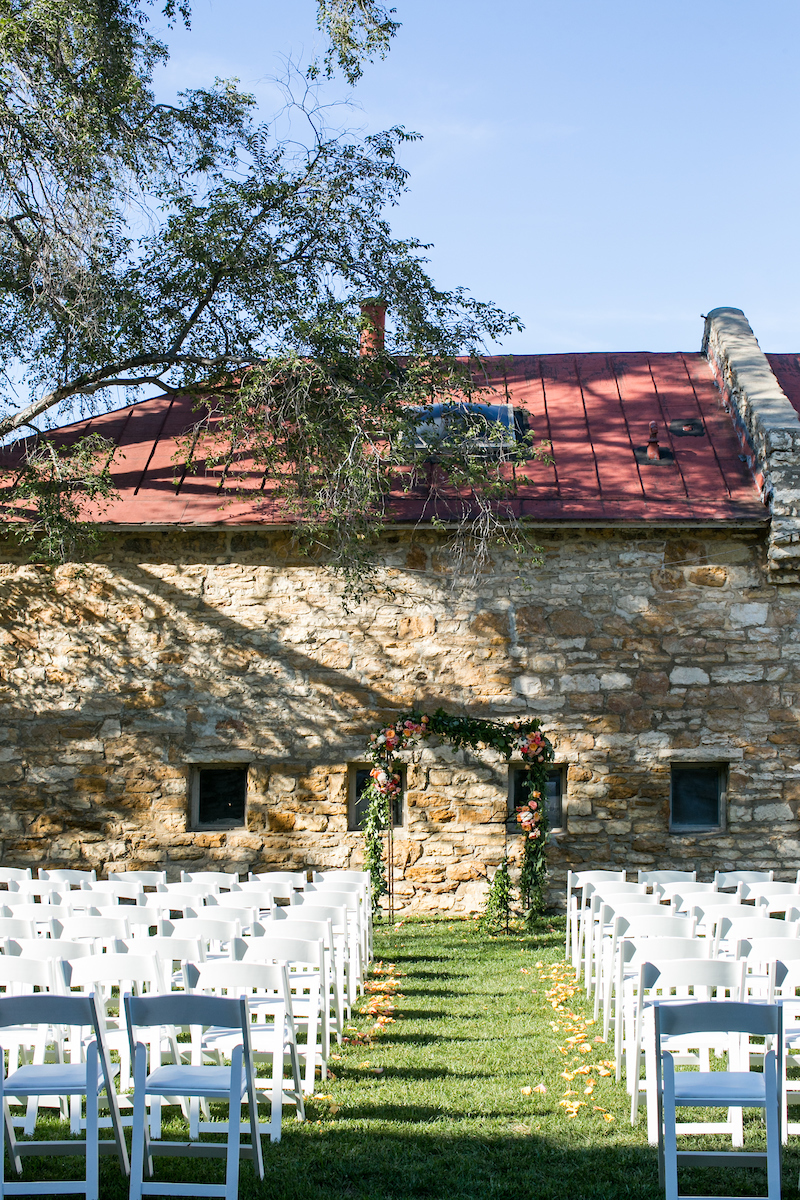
[635, 647]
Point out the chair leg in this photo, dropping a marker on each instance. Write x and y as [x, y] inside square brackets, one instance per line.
[771, 1119]
[139, 1118]
[92, 1121]
[234, 1126]
[669, 1137]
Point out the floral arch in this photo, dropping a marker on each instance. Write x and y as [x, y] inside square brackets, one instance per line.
[508, 738]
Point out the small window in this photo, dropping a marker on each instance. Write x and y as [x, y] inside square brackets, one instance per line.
[219, 796]
[697, 796]
[482, 427]
[357, 804]
[554, 795]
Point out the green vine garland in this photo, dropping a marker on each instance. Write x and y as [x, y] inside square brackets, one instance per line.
[507, 738]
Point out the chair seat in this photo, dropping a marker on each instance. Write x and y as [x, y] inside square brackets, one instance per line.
[723, 1089]
[52, 1079]
[191, 1081]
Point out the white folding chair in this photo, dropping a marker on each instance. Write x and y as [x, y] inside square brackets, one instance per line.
[41, 916]
[254, 893]
[637, 921]
[119, 889]
[357, 937]
[786, 992]
[680, 979]
[88, 1072]
[732, 1089]
[28, 1042]
[13, 927]
[293, 926]
[577, 882]
[273, 1038]
[306, 964]
[339, 928]
[765, 891]
[233, 906]
[604, 901]
[42, 891]
[222, 1083]
[633, 951]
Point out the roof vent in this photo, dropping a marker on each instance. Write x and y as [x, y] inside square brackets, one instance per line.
[653, 455]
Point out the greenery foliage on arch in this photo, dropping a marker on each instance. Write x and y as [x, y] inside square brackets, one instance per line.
[523, 737]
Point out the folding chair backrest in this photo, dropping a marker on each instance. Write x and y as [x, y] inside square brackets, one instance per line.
[335, 885]
[242, 977]
[102, 971]
[81, 929]
[663, 950]
[337, 915]
[48, 891]
[349, 900]
[214, 879]
[732, 879]
[296, 878]
[277, 949]
[210, 930]
[755, 891]
[579, 879]
[197, 891]
[252, 893]
[668, 891]
[47, 949]
[745, 924]
[705, 973]
[19, 975]
[709, 908]
[605, 889]
[181, 1008]
[120, 889]
[334, 875]
[764, 950]
[41, 914]
[10, 875]
[718, 1016]
[655, 926]
[40, 1008]
[13, 927]
[68, 876]
[145, 878]
[85, 903]
[305, 930]
[667, 877]
[168, 949]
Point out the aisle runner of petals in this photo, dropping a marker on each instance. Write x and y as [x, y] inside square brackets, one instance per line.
[560, 987]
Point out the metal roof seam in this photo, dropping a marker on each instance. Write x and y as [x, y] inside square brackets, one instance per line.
[153, 447]
[637, 468]
[588, 429]
[665, 419]
[705, 426]
[547, 421]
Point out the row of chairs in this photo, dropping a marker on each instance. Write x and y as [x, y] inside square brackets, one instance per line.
[183, 954]
[664, 943]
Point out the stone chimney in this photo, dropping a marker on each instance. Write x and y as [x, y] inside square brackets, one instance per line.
[768, 429]
[372, 338]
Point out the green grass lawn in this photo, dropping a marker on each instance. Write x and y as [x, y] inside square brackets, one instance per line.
[471, 1091]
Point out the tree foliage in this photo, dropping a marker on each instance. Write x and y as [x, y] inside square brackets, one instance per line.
[185, 245]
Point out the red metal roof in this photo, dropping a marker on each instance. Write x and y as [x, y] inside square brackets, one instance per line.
[594, 410]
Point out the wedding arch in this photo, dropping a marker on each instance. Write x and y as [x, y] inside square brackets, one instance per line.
[508, 738]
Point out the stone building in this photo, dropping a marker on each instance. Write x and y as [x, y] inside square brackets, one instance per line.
[196, 696]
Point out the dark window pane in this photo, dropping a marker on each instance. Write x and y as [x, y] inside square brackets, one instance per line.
[695, 796]
[360, 804]
[221, 797]
[553, 795]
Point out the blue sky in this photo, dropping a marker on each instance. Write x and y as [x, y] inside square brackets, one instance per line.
[609, 171]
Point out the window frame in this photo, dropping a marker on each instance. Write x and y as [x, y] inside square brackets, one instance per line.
[556, 769]
[721, 769]
[353, 770]
[198, 826]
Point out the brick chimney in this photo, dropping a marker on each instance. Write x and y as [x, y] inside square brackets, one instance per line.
[372, 338]
[768, 429]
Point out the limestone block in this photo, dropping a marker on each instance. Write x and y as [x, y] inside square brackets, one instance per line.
[773, 812]
[688, 676]
[749, 614]
[466, 870]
